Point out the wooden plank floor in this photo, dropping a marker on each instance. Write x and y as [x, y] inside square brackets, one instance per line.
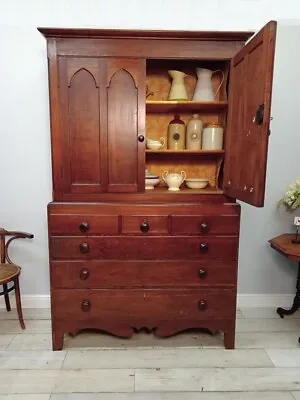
[193, 366]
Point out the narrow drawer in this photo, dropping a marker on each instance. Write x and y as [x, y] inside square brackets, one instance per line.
[148, 304]
[151, 225]
[60, 224]
[205, 224]
[143, 248]
[113, 274]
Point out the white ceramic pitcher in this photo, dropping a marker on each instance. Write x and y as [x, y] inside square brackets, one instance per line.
[173, 180]
[204, 88]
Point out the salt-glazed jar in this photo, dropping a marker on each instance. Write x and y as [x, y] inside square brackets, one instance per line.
[176, 134]
[194, 133]
[212, 136]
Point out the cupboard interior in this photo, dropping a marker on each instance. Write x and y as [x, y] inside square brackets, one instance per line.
[159, 112]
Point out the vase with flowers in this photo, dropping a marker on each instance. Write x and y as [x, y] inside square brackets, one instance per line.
[291, 201]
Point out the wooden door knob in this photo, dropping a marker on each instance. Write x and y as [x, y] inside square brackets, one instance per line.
[141, 138]
[86, 305]
[84, 274]
[84, 226]
[202, 305]
[84, 247]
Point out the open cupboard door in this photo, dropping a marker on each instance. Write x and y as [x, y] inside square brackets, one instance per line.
[247, 135]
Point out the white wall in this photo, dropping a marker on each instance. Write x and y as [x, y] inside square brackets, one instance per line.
[25, 161]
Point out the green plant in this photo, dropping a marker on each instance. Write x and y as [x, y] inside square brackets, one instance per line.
[291, 198]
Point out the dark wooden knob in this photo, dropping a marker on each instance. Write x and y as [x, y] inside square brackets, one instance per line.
[204, 227]
[203, 247]
[84, 226]
[145, 227]
[85, 306]
[202, 273]
[141, 138]
[202, 305]
[84, 274]
[84, 247]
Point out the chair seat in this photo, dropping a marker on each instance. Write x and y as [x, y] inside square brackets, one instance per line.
[8, 272]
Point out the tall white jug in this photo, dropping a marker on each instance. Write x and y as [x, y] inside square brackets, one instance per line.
[204, 88]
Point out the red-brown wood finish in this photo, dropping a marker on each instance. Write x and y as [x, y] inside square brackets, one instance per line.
[248, 132]
[83, 132]
[126, 88]
[122, 258]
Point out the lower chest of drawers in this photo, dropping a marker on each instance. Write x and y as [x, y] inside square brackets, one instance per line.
[115, 268]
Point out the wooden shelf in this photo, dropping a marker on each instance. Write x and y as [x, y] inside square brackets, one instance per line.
[187, 152]
[180, 106]
[185, 190]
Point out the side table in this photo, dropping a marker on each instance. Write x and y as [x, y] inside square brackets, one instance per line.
[283, 244]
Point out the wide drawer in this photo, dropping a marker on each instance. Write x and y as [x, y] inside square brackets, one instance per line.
[109, 274]
[130, 304]
[68, 224]
[143, 224]
[143, 248]
[205, 224]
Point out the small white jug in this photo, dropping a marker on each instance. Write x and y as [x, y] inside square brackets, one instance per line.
[173, 180]
[204, 88]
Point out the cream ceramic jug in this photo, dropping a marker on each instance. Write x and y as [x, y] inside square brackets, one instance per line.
[173, 180]
[178, 90]
[204, 88]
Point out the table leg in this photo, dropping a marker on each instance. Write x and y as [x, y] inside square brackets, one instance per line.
[296, 303]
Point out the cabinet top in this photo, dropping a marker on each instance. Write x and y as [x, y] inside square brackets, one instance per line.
[145, 34]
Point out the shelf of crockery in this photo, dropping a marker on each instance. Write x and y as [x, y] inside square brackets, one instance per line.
[193, 106]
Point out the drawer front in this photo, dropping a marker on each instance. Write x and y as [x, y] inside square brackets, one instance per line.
[109, 274]
[136, 224]
[205, 224]
[148, 304]
[140, 248]
[83, 224]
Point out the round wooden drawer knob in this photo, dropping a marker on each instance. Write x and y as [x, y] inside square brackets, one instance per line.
[145, 227]
[202, 305]
[203, 247]
[84, 274]
[84, 247]
[85, 306]
[84, 227]
[204, 227]
[202, 274]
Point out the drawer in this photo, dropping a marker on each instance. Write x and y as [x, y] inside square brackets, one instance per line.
[136, 224]
[143, 248]
[205, 224]
[127, 305]
[64, 224]
[109, 274]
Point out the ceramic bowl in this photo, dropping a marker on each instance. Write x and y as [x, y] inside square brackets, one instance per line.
[150, 182]
[196, 183]
[154, 145]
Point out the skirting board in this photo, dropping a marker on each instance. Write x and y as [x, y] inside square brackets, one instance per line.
[243, 300]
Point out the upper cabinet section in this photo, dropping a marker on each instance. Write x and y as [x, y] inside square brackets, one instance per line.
[249, 108]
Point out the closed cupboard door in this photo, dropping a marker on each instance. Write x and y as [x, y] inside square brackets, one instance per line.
[99, 146]
[82, 139]
[247, 132]
[126, 90]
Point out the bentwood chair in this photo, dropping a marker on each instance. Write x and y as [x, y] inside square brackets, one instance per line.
[9, 272]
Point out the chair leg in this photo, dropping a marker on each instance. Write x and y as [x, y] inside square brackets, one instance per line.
[18, 301]
[6, 296]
